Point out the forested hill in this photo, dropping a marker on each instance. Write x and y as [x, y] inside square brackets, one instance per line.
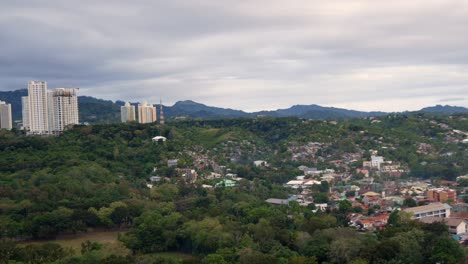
[97, 178]
[444, 109]
[93, 110]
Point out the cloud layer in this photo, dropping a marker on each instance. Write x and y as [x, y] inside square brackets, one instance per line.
[250, 55]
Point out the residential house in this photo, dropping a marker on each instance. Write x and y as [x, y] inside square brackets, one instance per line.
[172, 162]
[456, 225]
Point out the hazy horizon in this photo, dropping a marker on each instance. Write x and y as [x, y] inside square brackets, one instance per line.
[256, 55]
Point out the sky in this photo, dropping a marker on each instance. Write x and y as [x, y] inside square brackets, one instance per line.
[242, 54]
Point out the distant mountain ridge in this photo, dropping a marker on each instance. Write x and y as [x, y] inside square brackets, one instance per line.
[444, 109]
[193, 109]
[94, 110]
[317, 112]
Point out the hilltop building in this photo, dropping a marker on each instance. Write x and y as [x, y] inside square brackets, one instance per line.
[146, 113]
[127, 113]
[5, 116]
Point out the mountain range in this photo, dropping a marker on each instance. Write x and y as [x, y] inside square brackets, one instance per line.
[94, 110]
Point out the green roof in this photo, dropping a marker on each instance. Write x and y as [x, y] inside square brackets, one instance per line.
[226, 183]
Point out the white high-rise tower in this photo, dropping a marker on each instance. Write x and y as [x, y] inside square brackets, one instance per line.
[63, 109]
[38, 107]
[127, 113]
[48, 112]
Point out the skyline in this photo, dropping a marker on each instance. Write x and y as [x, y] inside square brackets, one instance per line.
[362, 55]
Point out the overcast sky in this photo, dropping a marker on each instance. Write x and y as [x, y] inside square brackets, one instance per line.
[250, 55]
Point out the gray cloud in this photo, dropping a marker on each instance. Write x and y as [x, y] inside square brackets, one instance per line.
[454, 99]
[251, 55]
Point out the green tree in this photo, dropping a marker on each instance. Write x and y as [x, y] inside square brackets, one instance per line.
[88, 246]
[409, 202]
[214, 259]
[7, 250]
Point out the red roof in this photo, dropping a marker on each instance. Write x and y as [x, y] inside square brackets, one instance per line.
[459, 215]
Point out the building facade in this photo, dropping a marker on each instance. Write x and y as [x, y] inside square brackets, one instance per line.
[435, 210]
[63, 109]
[376, 161]
[161, 113]
[127, 113]
[146, 113]
[38, 107]
[25, 112]
[442, 195]
[5, 116]
[49, 112]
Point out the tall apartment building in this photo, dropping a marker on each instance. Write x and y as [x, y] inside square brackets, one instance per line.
[63, 109]
[5, 116]
[442, 195]
[25, 112]
[127, 113]
[38, 107]
[146, 113]
[49, 112]
[161, 113]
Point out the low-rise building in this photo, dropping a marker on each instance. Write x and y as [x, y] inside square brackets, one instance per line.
[226, 183]
[442, 195]
[435, 209]
[456, 225]
[260, 163]
[172, 162]
[460, 207]
[159, 138]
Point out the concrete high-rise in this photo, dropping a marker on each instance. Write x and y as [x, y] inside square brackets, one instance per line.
[146, 113]
[5, 116]
[25, 112]
[127, 113]
[161, 113]
[38, 107]
[49, 112]
[63, 109]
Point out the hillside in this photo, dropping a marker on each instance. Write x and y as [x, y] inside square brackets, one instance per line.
[97, 178]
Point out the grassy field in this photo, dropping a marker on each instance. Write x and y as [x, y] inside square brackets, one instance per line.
[179, 256]
[211, 137]
[108, 238]
[111, 246]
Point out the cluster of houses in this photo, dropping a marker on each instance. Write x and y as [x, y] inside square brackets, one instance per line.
[305, 152]
[381, 166]
[373, 203]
